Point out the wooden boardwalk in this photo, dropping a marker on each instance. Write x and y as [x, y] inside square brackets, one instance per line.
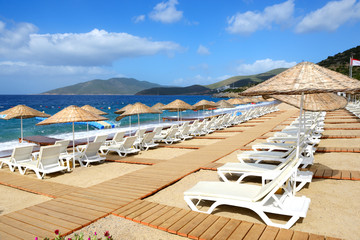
[73, 208]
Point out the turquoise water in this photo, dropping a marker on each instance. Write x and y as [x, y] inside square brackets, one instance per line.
[51, 104]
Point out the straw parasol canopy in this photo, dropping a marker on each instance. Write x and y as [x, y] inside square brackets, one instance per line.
[137, 109]
[235, 101]
[72, 114]
[93, 110]
[246, 100]
[178, 105]
[305, 77]
[157, 107]
[204, 104]
[315, 102]
[124, 109]
[21, 112]
[224, 104]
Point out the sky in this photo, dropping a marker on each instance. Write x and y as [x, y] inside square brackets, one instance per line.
[50, 44]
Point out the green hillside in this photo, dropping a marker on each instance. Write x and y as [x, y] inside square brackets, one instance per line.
[190, 90]
[110, 86]
[340, 62]
[240, 81]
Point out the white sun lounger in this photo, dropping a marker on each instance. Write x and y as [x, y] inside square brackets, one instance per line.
[98, 138]
[260, 199]
[48, 162]
[90, 154]
[19, 154]
[263, 170]
[148, 141]
[124, 148]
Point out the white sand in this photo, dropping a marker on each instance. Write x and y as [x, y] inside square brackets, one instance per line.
[12, 199]
[120, 228]
[200, 141]
[350, 142]
[338, 161]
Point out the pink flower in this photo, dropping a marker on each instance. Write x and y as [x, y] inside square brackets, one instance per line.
[95, 233]
[36, 238]
[106, 234]
[57, 231]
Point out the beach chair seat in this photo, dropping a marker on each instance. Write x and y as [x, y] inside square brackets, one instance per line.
[184, 134]
[263, 170]
[171, 137]
[47, 162]
[148, 141]
[18, 155]
[90, 154]
[125, 148]
[260, 199]
[117, 138]
[98, 138]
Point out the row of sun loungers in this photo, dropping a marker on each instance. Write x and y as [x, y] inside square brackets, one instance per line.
[52, 159]
[279, 183]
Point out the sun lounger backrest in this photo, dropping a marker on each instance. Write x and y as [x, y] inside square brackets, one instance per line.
[22, 153]
[277, 182]
[140, 133]
[49, 155]
[118, 137]
[148, 137]
[129, 142]
[64, 145]
[157, 130]
[92, 149]
[100, 138]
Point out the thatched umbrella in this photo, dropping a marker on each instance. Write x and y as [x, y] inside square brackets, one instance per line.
[246, 100]
[315, 101]
[235, 101]
[122, 110]
[137, 109]
[224, 104]
[21, 112]
[72, 114]
[157, 107]
[93, 110]
[178, 105]
[304, 78]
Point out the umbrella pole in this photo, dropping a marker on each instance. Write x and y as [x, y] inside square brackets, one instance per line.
[159, 118]
[87, 131]
[138, 121]
[21, 126]
[130, 126]
[73, 130]
[299, 129]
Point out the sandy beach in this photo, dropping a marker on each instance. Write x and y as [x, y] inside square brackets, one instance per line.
[334, 210]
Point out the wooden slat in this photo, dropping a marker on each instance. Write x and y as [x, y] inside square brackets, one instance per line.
[150, 213]
[227, 230]
[7, 236]
[214, 228]
[140, 211]
[174, 228]
[190, 225]
[284, 234]
[269, 233]
[12, 230]
[203, 226]
[241, 231]
[316, 237]
[170, 221]
[300, 236]
[255, 231]
[158, 221]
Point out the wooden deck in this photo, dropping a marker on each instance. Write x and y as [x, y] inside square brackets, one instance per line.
[73, 208]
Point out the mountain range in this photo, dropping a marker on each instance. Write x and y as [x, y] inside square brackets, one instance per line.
[123, 86]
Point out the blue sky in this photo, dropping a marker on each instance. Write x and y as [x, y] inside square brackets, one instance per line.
[49, 44]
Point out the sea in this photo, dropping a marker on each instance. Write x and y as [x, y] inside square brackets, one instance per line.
[51, 104]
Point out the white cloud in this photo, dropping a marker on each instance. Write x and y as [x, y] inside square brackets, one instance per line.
[264, 65]
[203, 50]
[138, 19]
[166, 12]
[249, 22]
[201, 66]
[330, 17]
[97, 47]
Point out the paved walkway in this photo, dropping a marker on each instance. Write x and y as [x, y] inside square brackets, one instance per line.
[74, 208]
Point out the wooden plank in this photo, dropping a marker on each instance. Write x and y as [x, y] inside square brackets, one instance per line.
[300, 236]
[241, 231]
[126, 207]
[96, 202]
[20, 233]
[214, 228]
[173, 219]
[66, 210]
[50, 219]
[59, 215]
[34, 231]
[158, 221]
[176, 226]
[327, 173]
[316, 237]
[160, 212]
[355, 175]
[319, 173]
[336, 174]
[83, 205]
[190, 225]
[203, 226]
[269, 233]
[255, 231]
[150, 213]
[142, 210]
[41, 224]
[227, 230]
[345, 175]
[284, 234]
[134, 208]
[7, 236]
